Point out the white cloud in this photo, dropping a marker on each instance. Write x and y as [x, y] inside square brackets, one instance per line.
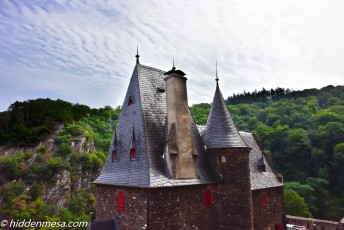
[90, 45]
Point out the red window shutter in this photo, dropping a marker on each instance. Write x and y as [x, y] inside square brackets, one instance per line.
[114, 155]
[264, 201]
[132, 154]
[120, 201]
[280, 227]
[207, 198]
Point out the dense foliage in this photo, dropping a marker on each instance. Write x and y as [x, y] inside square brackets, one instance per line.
[302, 132]
[25, 176]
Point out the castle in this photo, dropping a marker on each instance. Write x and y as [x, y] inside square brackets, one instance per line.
[165, 172]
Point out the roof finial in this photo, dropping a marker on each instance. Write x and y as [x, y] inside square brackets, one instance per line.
[217, 77]
[137, 55]
[173, 65]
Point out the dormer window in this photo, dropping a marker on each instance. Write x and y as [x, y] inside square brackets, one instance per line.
[160, 90]
[261, 165]
[132, 147]
[114, 149]
[114, 155]
[132, 154]
[131, 100]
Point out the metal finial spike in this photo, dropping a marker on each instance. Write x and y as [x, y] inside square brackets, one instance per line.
[173, 65]
[137, 55]
[217, 77]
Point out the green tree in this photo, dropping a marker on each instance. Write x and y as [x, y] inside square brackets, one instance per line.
[294, 204]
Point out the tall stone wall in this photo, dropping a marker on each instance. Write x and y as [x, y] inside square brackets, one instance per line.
[183, 208]
[236, 204]
[268, 208]
[134, 214]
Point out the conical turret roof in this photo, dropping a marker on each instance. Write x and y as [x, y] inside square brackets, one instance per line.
[221, 131]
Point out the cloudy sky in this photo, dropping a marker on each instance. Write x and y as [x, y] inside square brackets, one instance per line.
[83, 51]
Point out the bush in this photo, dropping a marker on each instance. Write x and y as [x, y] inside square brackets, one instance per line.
[64, 149]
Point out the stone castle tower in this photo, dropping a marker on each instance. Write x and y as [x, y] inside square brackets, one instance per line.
[165, 172]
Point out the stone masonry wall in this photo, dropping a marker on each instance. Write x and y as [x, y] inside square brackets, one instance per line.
[182, 208]
[134, 215]
[236, 204]
[270, 215]
[179, 207]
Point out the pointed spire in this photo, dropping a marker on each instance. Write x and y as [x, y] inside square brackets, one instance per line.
[137, 55]
[217, 77]
[221, 131]
[174, 68]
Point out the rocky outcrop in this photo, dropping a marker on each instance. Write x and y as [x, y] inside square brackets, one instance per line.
[65, 183]
[81, 145]
[60, 192]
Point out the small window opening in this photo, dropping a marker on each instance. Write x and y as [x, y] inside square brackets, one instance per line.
[120, 201]
[131, 100]
[160, 90]
[221, 159]
[133, 154]
[207, 198]
[114, 155]
[261, 165]
[264, 201]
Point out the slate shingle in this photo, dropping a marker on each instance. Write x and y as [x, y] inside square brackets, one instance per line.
[221, 131]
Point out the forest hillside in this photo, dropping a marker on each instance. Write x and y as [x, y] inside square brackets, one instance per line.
[50, 151]
[302, 133]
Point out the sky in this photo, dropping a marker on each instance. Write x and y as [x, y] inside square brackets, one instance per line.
[84, 51]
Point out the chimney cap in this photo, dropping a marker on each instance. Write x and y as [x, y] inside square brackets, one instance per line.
[173, 70]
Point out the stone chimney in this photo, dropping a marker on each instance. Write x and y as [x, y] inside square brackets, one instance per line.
[180, 149]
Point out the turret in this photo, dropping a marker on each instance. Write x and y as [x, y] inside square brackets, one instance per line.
[230, 155]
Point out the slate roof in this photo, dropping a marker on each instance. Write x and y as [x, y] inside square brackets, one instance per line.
[259, 179]
[146, 114]
[221, 131]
